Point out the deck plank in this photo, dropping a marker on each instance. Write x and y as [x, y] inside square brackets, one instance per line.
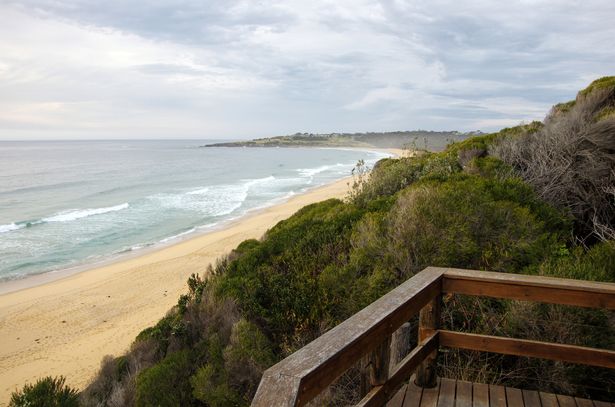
[480, 395]
[459, 393]
[583, 402]
[514, 397]
[430, 396]
[497, 396]
[413, 395]
[398, 399]
[548, 400]
[531, 398]
[566, 401]
[464, 394]
[446, 397]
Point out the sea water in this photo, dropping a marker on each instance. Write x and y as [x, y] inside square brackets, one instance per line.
[70, 203]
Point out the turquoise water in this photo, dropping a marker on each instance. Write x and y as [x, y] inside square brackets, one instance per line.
[64, 204]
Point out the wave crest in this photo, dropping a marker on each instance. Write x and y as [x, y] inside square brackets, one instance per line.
[10, 227]
[84, 213]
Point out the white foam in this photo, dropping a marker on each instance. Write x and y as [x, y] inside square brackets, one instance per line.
[10, 227]
[167, 239]
[200, 191]
[84, 213]
[310, 172]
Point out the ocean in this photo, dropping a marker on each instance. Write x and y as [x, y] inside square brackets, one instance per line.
[65, 204]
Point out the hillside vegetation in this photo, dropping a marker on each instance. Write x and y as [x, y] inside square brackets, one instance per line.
[524, 200]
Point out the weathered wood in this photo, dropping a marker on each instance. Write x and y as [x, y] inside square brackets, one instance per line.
[497, 396]
[446, 398]
[548, 400]
[531, 398]
[524, 347]
[603, 404]
[430, 396]
[414, 394]
[480, 395]
[583, 402]
[429, 322]
[311, 369]
[529, 288]
[400, 344]
[380, 394]
[464, 394]
[398, 399]
[565, 401]
[379, 363]
[514, 397]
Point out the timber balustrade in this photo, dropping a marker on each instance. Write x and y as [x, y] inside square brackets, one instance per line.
[369, 335]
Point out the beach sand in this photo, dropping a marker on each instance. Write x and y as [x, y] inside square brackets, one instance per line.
[65, 327]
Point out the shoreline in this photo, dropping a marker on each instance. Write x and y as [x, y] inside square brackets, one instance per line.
[67, 325]
[47, 277]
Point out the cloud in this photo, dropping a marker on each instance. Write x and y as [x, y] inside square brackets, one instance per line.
[233, 68]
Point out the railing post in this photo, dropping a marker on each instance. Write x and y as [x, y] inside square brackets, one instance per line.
[429, 321]
[400, 345]
[375, 367]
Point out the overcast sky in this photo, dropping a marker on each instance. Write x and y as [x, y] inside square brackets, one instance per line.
[80, 69]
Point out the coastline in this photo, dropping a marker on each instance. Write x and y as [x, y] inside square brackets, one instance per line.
[35, 280]
[65, 326]
[66, 321]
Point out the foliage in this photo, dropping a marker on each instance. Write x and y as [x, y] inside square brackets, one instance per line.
[569, 161]
[166, 383]
[46, 392]
[601, 83]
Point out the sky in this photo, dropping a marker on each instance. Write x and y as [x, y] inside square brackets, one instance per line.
[226, 69]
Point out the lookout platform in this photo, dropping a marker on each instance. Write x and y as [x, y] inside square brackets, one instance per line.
[371, 339]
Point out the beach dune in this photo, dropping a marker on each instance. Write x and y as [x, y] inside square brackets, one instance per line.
[65, 327]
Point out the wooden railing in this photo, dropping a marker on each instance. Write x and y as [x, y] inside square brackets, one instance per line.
[366, 335]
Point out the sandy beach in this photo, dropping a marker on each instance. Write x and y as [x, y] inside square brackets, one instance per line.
[65, 327]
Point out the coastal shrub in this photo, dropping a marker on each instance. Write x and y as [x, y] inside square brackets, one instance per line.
[464, 222]
[569, 161]
[166, 383]
[594, 264]
[231, 375]
[392, 175]
[247, 356]
[46, 392]
[275, 283]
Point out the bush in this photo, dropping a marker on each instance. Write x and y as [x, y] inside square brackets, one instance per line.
[465, 222]
[46, 392]
[275, 283]
[166, 383]
[569, 162]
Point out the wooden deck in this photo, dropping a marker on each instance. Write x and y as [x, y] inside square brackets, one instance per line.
[456, 393]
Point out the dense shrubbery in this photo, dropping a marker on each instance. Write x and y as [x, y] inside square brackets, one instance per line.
[462, 207]
[46, 392]
[570, 161]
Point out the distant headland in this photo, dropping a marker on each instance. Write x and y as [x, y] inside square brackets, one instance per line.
[428, 140]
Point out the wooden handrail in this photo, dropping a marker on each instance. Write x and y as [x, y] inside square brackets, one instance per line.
[525, 347]
[529, 288]
[303, 375]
